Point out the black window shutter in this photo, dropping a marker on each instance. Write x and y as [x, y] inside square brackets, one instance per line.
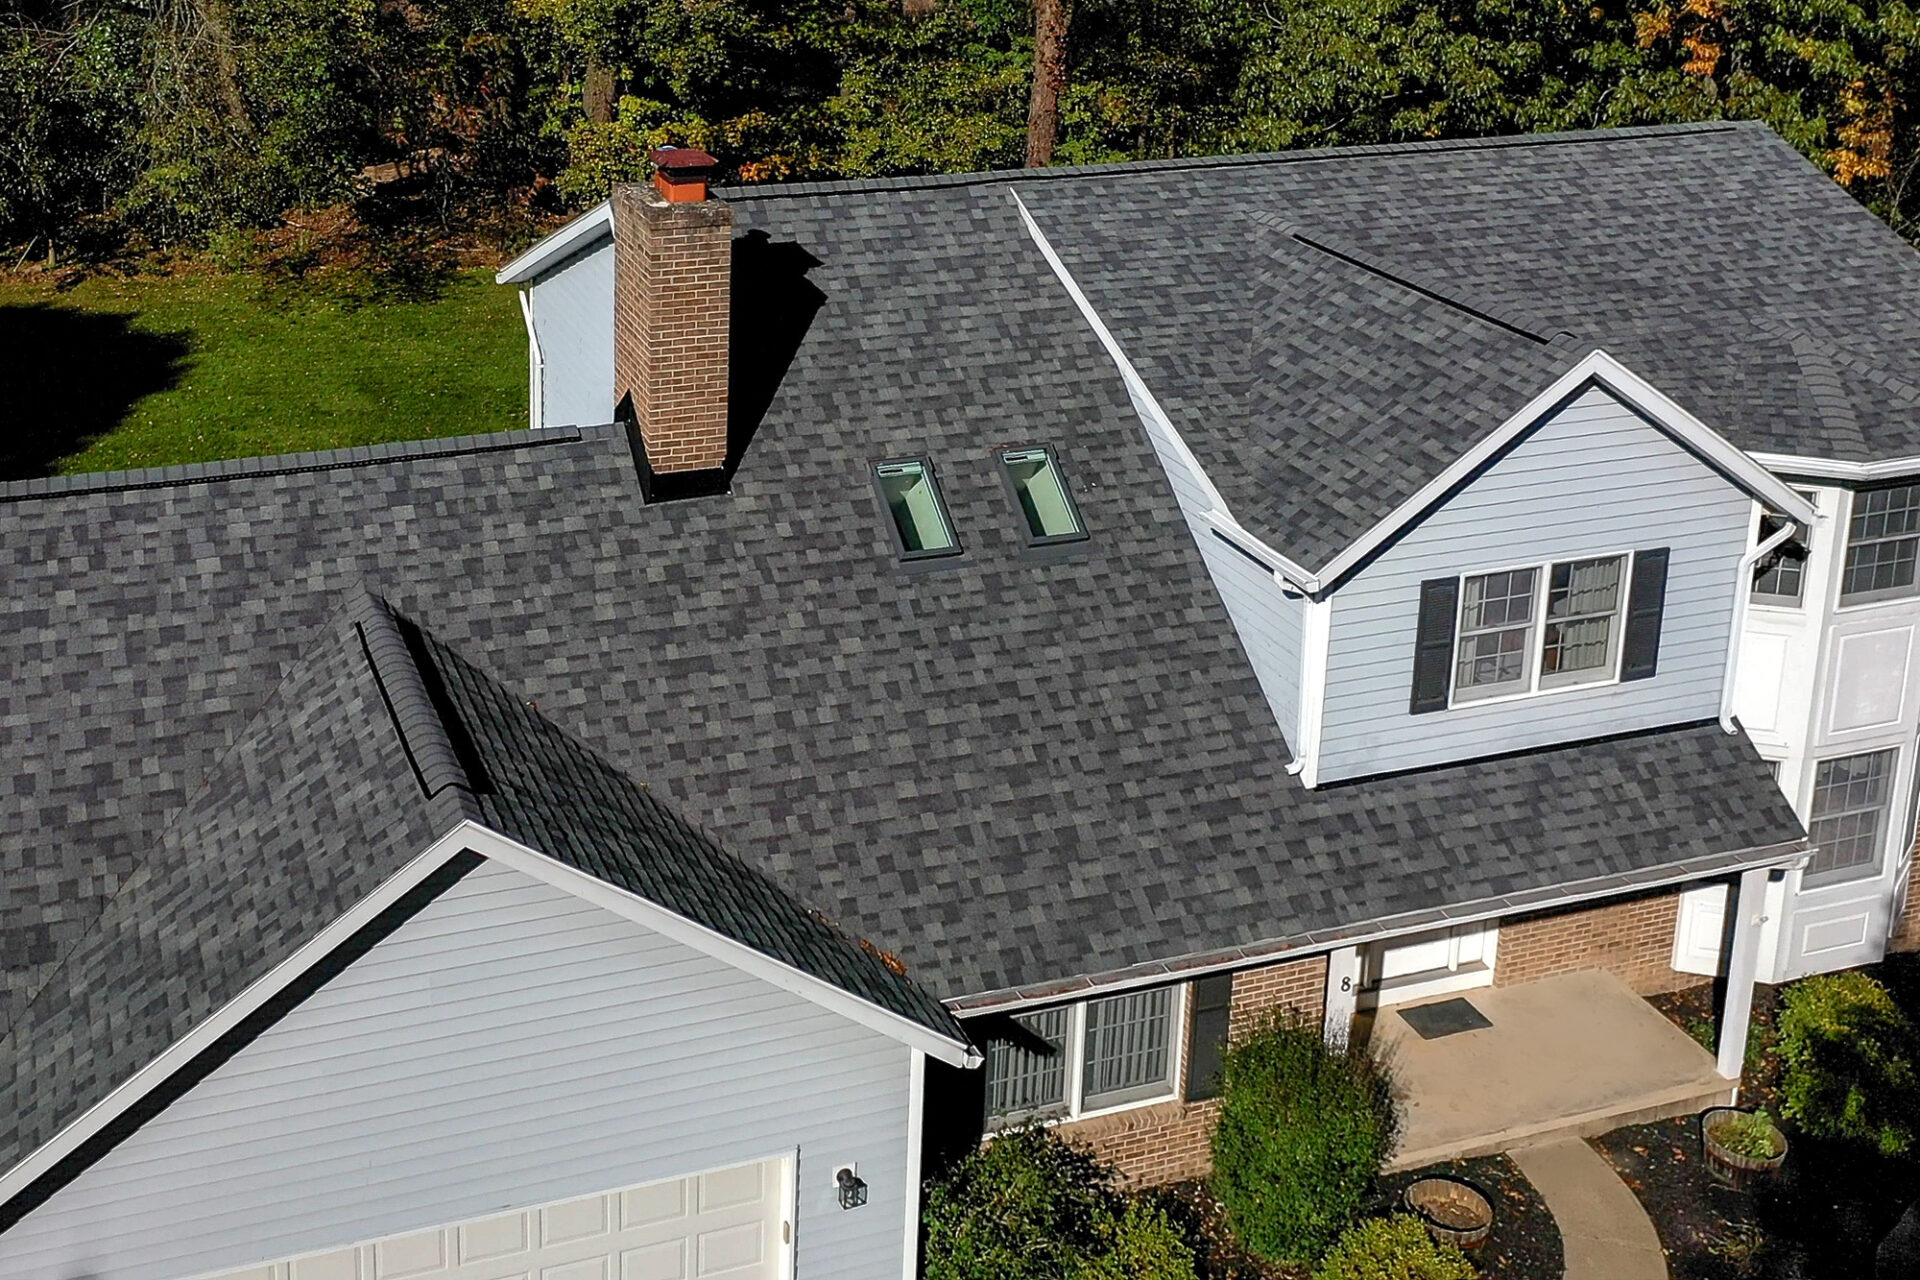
[1646, 606]
[1207, 1052]
[1433, 644]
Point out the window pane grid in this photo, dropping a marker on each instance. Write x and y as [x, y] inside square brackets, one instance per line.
[1582, 598]
[1850, 798]
[1496, 619]
[1883, 543]
[1023, 1079]
[1128, 1038]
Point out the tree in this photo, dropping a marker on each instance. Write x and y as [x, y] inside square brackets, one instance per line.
[1050, 22]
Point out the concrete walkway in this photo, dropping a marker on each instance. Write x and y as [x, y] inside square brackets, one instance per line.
[1605, 1231]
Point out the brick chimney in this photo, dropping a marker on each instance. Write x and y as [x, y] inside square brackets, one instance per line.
[672, 267]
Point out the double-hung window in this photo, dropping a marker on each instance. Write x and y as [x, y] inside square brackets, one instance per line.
[1852, 803]
[1077, 1059]
[1883, 546]
[1514, 638]
[1536, 627]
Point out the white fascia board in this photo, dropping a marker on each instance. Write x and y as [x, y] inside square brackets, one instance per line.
[1629, 387]
[471, 837]
[1831, 469]
[651, 915]
[1219, 516]
[569, 239]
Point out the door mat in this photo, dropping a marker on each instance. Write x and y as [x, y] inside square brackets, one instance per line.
[1443, 1018]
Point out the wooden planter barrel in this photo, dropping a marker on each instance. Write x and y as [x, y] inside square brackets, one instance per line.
[1731, 1167]
[1453, 1211]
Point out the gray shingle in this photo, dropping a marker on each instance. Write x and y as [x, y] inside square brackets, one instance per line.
[1007, 769]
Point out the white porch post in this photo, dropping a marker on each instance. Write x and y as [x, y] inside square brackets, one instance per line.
[1343, 993]
[1743, 964]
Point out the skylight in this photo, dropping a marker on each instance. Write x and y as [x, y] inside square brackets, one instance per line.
[919, 516]
[1042, 495]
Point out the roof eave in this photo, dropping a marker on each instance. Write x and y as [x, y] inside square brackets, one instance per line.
[559, 246]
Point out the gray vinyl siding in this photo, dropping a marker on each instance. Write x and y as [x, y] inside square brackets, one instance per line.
[573, 314]
[509, 1046]
[1593, 479]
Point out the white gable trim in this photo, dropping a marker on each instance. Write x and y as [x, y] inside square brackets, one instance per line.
[576, 235]
[470, 836]
[1631, 389]
[1832, 469]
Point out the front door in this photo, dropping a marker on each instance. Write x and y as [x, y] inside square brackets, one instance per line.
[1428, 964]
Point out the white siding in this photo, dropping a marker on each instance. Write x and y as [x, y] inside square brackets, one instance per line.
[508, 1046]
[573, 314]
[1269, 623]
[1594, 478]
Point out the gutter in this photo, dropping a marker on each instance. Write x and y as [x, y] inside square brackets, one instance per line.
[536, 410]
[1831, 469]
[1302, 946]
[1742, 590]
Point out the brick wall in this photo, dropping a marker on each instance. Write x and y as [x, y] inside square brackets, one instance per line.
[1906, 927]
[1170, 1141]
[1631, 938]
[672, 272]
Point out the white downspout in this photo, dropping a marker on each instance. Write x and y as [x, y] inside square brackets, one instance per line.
[1742, 589]
[1316, 635]
[538, 372]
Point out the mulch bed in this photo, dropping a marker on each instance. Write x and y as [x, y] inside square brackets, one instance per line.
[1821, 1218]
[1525, 1244]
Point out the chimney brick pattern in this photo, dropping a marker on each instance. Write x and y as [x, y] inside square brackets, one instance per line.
[672, 268]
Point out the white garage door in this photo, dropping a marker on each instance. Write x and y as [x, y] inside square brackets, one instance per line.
[733, 1224]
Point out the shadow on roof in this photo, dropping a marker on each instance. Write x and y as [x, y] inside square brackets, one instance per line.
[773, 307]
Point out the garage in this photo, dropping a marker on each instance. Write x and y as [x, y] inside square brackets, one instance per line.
[733, 1223]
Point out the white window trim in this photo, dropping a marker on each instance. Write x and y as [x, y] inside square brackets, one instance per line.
[1893, 595]
[1537, 632]
[1859, 873]
[1782, 604]
[1076, 1067]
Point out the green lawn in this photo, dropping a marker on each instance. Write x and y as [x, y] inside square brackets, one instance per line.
[163, 370]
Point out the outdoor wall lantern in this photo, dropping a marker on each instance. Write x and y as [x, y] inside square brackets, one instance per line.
[853, 1191]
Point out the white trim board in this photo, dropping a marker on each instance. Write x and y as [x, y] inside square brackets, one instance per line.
[576, 235]
[468, 837]
[1833, 469]
[1631, 389]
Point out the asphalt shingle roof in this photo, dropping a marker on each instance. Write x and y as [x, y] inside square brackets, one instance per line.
[1329, 330]
[1009, 768]
[379, 740]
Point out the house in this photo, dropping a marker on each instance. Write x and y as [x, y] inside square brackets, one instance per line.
[946, 650]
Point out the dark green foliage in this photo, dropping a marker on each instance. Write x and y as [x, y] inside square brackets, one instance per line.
[1849, 1055]
[1396, 1248]
[1303, 1131]
[167, 121]
[1029, 1206]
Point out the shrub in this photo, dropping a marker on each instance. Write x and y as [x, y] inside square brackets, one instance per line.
[1142, 1244]
[1396, 1248]
[1848, 1054]
[1748, 1133]
[1303, 1131]
[1026, 1206]
[1030, 1206]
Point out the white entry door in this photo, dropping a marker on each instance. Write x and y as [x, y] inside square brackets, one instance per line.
[1702, 928]
[1429, 964]
[731, 1224]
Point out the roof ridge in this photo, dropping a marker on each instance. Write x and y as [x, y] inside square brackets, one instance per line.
[1175, 164]
[282, 464]
[418, 716]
